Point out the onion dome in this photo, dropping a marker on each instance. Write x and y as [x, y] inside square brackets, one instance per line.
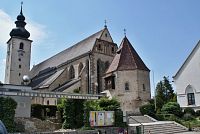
[19, 30]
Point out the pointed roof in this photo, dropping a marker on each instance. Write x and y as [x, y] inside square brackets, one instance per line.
[126, 58]
[19, 30]
[79, 49]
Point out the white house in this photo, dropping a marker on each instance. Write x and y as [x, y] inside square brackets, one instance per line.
[187, 81]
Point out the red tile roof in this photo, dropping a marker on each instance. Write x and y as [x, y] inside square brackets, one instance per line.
[126, 59]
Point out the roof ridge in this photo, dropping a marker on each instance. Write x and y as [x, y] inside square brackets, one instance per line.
[76, 44]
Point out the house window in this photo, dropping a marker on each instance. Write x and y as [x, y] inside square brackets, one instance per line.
[47, 102]
[191, 99]
[126, 86]
[21, 46]
[20, 66]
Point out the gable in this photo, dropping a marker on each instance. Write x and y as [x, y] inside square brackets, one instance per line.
[189, 73]
[195, 51]
[106, 36]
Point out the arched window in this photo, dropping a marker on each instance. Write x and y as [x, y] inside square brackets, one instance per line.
[80, 67]
[190, 95]
[21, 46]
[71, 72]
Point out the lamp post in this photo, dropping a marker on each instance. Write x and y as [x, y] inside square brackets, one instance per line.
[154, 90]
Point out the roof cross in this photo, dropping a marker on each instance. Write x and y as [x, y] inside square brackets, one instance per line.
[124, 32]
[105, 22]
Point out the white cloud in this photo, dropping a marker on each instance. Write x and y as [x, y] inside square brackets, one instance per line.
[36, 30]
[6, 24]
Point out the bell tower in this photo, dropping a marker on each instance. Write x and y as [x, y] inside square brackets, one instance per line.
[18, 52]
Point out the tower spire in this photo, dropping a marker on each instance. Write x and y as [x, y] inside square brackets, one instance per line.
[21, 8]
[20, 30]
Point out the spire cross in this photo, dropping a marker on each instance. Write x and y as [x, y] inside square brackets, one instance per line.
[21, 7]
[124, 32]
[105, 23]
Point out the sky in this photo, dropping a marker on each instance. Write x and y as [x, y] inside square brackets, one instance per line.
[163, 32]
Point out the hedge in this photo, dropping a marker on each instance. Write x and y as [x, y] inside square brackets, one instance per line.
[7, 112]
[40, 111]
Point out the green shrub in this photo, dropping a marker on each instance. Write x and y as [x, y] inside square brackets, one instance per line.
[172, 108]
[189, 111]
[7, 112]
[39, 111]
[148, 109]
[197, 113]
[188, 117]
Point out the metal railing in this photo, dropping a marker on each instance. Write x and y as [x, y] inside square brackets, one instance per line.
[142, 126]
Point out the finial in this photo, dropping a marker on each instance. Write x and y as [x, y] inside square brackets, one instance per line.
[124, 32]
[105, 23]
[21, 7]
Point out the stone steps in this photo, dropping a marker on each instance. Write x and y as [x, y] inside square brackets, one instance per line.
[164, 128]
[153, 126]
[141, 119]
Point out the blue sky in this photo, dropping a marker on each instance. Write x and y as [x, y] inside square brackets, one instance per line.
[163, 32]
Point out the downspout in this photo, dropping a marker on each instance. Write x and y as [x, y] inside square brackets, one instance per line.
[89, 73]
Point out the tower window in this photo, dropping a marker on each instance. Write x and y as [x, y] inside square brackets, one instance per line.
[126, 86]
[143, 86]
[113, 50]
[99, 47]
[20, 66]
[21, 46]
[19, 59]
[19, 74]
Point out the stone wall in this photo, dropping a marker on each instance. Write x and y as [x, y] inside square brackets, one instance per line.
[32, 125]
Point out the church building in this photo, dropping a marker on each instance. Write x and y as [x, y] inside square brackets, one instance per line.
[91, 66]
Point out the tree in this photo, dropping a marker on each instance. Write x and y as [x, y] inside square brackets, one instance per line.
[164, 93]
[73, 111]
